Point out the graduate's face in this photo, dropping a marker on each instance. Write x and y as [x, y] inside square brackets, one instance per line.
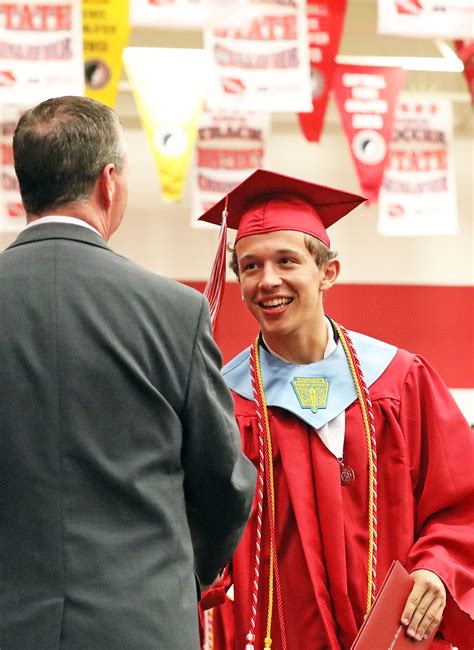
[280, 282]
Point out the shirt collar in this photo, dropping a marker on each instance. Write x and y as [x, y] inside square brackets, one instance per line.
[62, 219]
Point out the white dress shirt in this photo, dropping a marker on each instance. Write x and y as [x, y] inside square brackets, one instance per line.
[60, 219]
[332, 433]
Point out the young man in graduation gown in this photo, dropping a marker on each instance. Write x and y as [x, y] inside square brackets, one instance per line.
[363, 455]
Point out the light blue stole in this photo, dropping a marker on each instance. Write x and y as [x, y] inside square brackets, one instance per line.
[280, 378]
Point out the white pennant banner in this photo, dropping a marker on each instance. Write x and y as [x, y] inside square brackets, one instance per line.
[418, 194]
[262, 62]
[229, 147]
[40, 50]
[12, 213]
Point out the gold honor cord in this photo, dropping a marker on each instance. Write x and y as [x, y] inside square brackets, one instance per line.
[367, 417]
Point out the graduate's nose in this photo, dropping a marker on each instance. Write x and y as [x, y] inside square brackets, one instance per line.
[270, 277]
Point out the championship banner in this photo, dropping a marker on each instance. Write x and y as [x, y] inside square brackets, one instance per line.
[366, 98]
[229, 147]
[12, 213]
[40, 50]
[465, 51]
[262, 64]
[325, 23]
[169, 87]
[426, 18]
[105, 32]
[168, 13]
[418, 195]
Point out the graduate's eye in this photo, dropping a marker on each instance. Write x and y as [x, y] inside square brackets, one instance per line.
[249, 266]
[285, 261]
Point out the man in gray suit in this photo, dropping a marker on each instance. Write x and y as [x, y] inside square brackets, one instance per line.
[121, 473]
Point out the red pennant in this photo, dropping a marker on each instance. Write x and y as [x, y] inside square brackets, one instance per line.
[465, 51]
[366, 98]
[325, 22]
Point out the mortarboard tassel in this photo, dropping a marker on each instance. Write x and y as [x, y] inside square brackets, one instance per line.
[214, 290]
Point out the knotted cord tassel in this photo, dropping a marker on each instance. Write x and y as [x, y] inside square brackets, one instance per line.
[250, 638]
[214, 290]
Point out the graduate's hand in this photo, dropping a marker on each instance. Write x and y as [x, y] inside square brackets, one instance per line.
[425, 605]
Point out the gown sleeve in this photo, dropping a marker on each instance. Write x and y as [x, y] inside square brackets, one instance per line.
[442, 453]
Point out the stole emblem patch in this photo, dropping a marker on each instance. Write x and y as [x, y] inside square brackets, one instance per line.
[312, 392]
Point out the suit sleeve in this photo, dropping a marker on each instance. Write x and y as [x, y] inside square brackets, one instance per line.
[443, 481]
[219, 481]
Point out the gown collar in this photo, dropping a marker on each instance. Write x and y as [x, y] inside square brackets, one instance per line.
[315, 392]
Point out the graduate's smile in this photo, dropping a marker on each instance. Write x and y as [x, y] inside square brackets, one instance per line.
[274, 305]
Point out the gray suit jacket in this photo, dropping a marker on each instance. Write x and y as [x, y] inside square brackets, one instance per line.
[120, 464]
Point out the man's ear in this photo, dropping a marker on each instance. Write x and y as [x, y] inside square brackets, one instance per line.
[330, 271]
[107, 184]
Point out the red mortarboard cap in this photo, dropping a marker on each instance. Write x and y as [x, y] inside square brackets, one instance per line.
[266, 202]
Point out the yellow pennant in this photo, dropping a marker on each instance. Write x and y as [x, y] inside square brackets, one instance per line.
[169, 87]
[105, 32]
[312, 392]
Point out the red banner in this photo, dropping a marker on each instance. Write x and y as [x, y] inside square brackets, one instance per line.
[366, 97]
[465, 51]
[325, 22]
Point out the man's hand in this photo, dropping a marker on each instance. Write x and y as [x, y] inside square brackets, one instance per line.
[425, 605]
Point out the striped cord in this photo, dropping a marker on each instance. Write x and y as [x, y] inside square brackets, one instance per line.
[259, 499]
[208, 629]
[265, 444]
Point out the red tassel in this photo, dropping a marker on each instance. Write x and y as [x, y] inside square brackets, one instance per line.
[214, 290]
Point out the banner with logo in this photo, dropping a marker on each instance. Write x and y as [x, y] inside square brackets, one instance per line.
[261, 63]
[465, 51]
[418, 195]
[169, 86]
[40, 50]
[106, 29]
[168, 13]
[366, 98]
[426, 18]
[12, 213]
[229, 147]
[325, 23]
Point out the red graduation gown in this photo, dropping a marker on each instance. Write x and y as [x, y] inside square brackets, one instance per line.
[425, 507]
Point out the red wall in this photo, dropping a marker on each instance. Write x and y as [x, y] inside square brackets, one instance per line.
[434, 321]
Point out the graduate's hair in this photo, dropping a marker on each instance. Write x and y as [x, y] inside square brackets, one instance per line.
[320, 252]
[60, 148]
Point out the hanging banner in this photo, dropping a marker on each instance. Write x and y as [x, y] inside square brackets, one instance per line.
[262, 64]
[106, 29]
[12, 213]
[168, 13]
[229, 147]
[418, 195]
[169, 87]
[465, 51]
[325, 23]
[40, 50]
[426, 18]
[366, 98]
